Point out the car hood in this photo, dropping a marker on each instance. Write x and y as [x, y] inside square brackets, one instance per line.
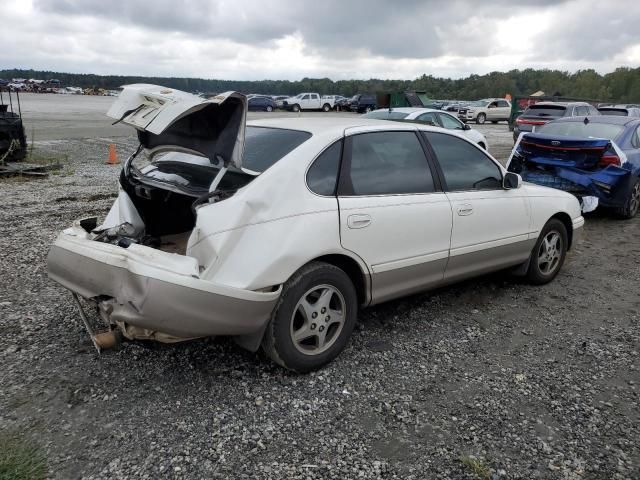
[165, 117]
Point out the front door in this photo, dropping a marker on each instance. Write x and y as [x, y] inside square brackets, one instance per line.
[491, 225]
[392, 212]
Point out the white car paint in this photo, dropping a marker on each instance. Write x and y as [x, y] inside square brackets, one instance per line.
[244, 248]
[426, 114]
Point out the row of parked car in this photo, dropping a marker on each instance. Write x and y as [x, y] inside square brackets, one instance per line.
[309, 101]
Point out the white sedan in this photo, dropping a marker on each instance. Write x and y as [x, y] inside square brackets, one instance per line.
[432, 117]
[278, 231]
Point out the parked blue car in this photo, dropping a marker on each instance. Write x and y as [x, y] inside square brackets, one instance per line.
[596, 158]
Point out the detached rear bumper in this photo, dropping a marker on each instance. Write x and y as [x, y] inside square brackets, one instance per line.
[155, 290]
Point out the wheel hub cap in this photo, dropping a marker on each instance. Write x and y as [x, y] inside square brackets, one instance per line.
[318, 319]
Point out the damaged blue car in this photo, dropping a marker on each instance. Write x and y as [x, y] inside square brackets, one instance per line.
[596, 158]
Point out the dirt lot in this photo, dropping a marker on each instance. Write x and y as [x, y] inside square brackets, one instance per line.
[491, 376]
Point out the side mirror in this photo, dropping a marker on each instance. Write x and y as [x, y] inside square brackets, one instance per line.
[466, 126]
[511, 181]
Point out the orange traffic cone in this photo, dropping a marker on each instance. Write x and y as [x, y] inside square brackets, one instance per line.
[113, 155]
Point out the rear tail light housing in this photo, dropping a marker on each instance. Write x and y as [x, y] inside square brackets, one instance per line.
[609, 158]
[522, 121]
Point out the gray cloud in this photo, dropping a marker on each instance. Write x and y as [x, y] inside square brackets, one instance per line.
[255, 39]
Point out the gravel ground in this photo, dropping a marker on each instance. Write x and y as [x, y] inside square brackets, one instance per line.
[523, 382]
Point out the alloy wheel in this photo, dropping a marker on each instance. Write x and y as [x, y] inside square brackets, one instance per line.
[318, 319]
[634, 199]
[550, 252]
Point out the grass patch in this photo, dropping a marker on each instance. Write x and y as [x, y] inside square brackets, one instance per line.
[480, 469]
[20, 459]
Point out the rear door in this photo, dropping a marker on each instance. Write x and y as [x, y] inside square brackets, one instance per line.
[491, 226]
[393, 213]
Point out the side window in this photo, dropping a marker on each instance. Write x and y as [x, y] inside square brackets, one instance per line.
[429, 119]
[464, 166]
[306, 97]
[449, 122]
[582, 111]
[387, 163]
[503, 103]
[635, 140]
[314, 97]
[593, 110]
[323, 174]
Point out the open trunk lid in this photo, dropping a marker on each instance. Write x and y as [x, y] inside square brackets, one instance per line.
[165, 117]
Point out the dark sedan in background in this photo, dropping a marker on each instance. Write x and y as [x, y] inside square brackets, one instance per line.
[544, 112]
[262, 104]
[596, 158]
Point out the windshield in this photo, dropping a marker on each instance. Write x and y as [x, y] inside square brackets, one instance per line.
[620, 112]
[580, 130]
[545, 110]
[386, 115]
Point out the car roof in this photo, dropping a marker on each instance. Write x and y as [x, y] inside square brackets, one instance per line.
[408, 110]
[336, 125]
[611, 119]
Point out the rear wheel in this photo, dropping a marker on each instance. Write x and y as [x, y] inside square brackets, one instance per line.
[549, 253]
[632, 204]
[269, 108]
[313, 319]
[326, 107]
[481, 118]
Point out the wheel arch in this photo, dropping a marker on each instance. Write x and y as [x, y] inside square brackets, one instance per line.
[566, 221]
[355, 272]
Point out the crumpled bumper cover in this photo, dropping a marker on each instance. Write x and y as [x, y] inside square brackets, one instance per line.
[156, 290]
[610, 185]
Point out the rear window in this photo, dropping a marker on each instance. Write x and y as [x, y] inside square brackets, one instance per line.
[619, 112]
[545, 110]
[264, 146]
[580, 130]
[386, 115]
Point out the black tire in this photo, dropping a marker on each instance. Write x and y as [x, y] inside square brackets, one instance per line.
[538, 275]
[632, 203]
[481, 118]
[326, 107]
[278, 342]
[269, 108]
[296, 108]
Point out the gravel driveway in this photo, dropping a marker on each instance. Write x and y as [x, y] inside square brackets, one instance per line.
[491, 376]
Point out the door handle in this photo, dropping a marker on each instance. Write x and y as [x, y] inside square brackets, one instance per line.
[464, 210]
[358, 221]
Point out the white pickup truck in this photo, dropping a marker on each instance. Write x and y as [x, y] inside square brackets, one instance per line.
[309, 101]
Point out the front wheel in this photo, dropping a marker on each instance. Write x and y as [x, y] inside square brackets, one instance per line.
[632, 203]
[313, 319]
[481, 118]
[296, 108]
[549, 253]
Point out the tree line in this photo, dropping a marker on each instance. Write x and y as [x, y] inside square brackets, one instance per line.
[621, 85]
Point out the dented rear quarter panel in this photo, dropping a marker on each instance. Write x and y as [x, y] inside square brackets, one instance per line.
[269, 229]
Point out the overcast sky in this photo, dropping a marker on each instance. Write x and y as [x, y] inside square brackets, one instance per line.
[339, 39]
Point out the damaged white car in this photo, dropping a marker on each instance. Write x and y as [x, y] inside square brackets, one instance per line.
[277, 231]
